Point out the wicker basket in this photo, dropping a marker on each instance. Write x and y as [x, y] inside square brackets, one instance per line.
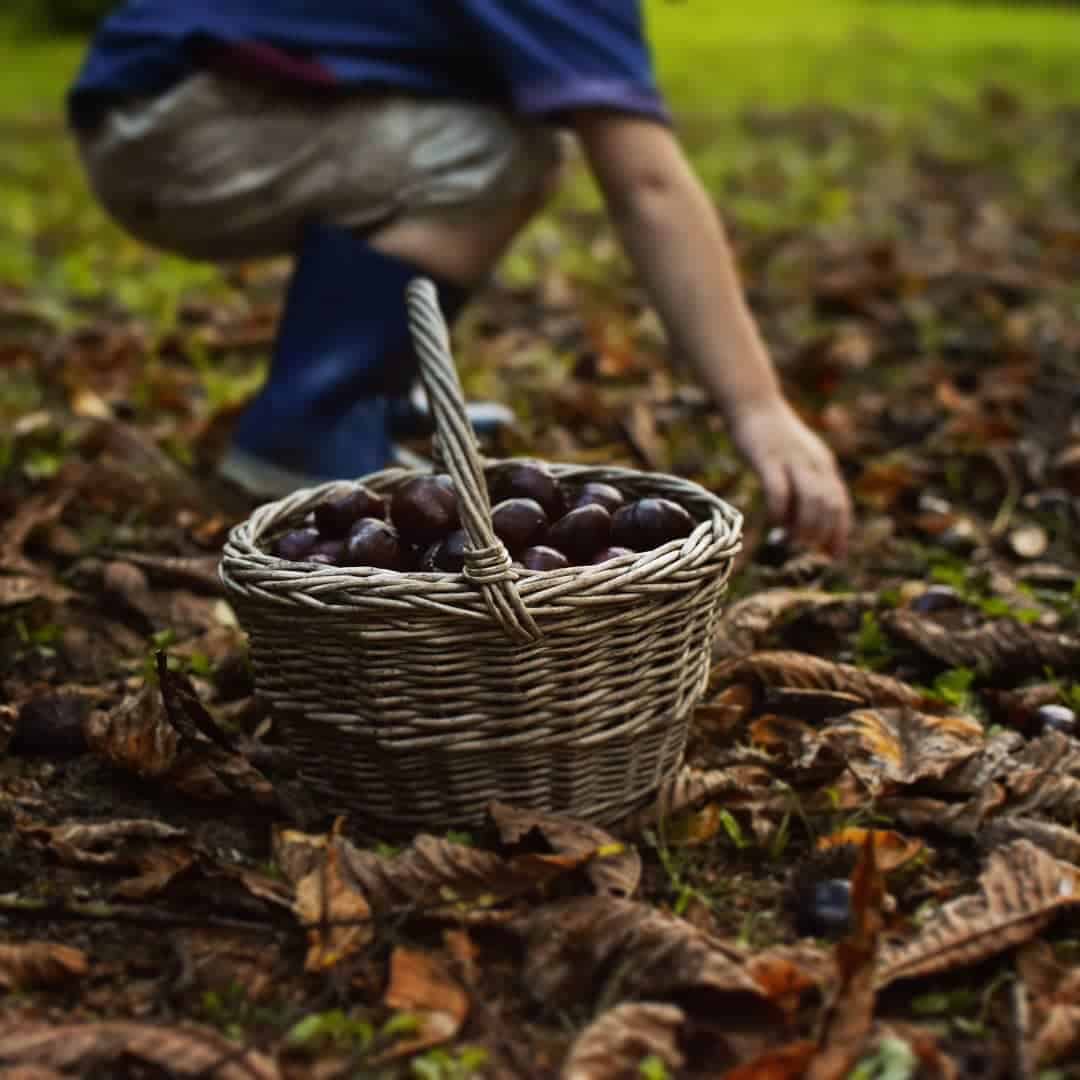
[412, 700]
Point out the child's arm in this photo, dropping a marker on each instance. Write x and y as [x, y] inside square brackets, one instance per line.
[677, 242]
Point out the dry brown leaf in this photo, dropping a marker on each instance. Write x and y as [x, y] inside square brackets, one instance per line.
[802, 671]
[336, 914]
[111, 843]
[883, 747]
[748, 622]
[640, 951]
[691, 787]
[1060, 841]
[209, 773]
[1054, 992]
[433, 873]
[136, 735]
[40, 963]
[31, 514]
[194, 1052]
[890, 848]
[419, 984]
[191, 571]
[1001, 647]
[30, 1072]
[1044, 776]
[613, 867]
[616, 1042]
[957, 819]
[1020, 891]
[25, 588]
[157, 868]
[788, 1063]
[785, 973]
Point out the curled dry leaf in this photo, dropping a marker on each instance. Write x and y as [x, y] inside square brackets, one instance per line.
[337, 915]
[135, 735]
[616, 1042]
[1004, 648]
[31, 514]
[40, 963]
[641, 951]
[194, 1052]
[1060, 841]
[890, 848]
[613, 867]
[1045, 777]
[1054, 994]
[25, 588]
[191, 571]
[419, 984]
[112, 843]
[785, 973]
[802, 671]
[691, 787]
[431, 875]
[1020, 891]
[748, 622]
[884, 747]
[157, 868]
[962, 819]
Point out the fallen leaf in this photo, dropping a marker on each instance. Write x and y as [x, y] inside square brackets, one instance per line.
[618, 1040]
[135, 735]
[420, 985]
[1003, 647]
[787, 1063]
[1061, 842]
[883, 747]
[40, 963]
[1020, 891]
[112, 843]
[743, 627]
[1054, 991]
[190, 1051]
[891, 850]
[157, 868]
[624, 949]
[614, 868]
[802, 671]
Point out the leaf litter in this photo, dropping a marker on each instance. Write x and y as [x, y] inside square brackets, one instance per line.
[895, 735]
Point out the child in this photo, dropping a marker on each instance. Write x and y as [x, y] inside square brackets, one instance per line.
[383, 139]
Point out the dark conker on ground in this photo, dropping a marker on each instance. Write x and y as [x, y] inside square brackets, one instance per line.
[335, 517]
[543, 558]
[581, 533]
[648, 523]
[610, 553]
[297, 545]
[825, 909]
[519, 523]
[447, 555]
[610, 498]
[530, 480]
[425, 509]
[376, 544]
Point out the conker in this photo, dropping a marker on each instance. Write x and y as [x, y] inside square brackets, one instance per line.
[610, 498]
[581, 533]
[425, 509]
[376, 544]
[447, 555]
[328, 553]
[335, 517]
[530, 480]
[543, 558]
[610, 553]
[297, 545]
[648, 523]
[519, 523]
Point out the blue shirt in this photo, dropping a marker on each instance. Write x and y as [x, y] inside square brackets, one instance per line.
[537, 57]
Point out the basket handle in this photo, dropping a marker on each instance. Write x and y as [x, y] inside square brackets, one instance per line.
[487, 562]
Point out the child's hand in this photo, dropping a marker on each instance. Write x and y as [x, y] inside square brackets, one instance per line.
[803, 487]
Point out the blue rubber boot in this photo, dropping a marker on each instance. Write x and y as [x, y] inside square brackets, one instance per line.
[341, 372]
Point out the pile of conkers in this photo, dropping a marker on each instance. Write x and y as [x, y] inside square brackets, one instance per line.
[545, 524]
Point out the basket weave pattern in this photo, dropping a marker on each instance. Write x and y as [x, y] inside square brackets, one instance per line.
[412, 700]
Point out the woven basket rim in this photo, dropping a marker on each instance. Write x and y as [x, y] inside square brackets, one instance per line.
[242, 548]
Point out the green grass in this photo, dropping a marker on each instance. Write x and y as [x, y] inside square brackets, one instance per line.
[712, 56]
[876, 53]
